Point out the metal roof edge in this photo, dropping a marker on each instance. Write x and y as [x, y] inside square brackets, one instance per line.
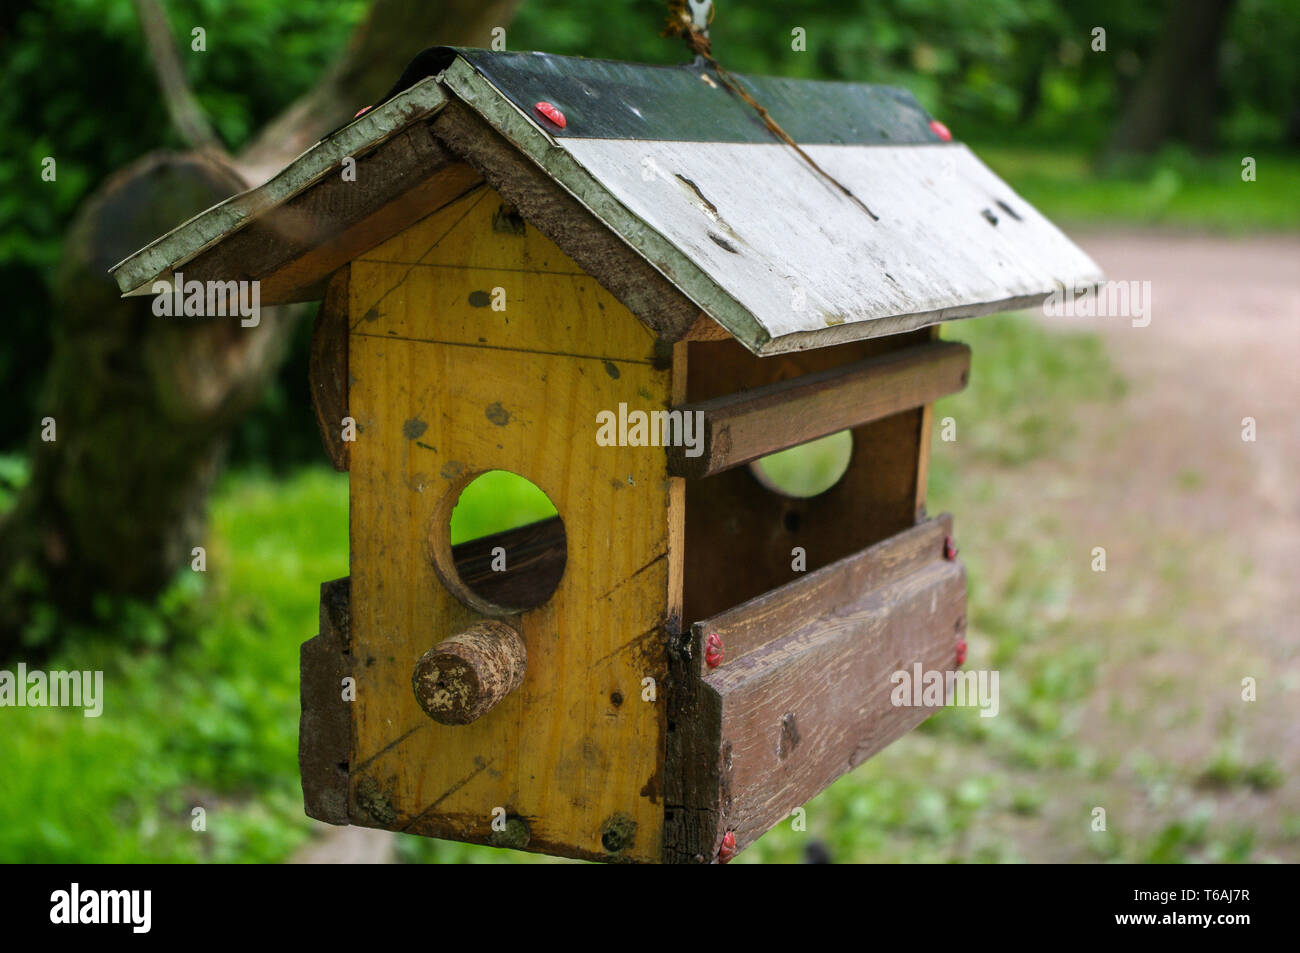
[136, 273]
[900, 324]
[478, 92]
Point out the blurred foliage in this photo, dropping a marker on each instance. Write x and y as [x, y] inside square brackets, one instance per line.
[1173, 188]
[809, 469]
[79, 88]
[200, 699]
[999, 72]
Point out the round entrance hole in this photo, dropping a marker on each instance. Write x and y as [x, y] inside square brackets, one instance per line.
[498, 543]
[807, 470]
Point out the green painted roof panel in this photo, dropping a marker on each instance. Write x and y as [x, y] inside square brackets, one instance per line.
[606, 99]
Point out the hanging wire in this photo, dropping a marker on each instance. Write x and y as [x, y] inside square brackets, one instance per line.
[685, 23]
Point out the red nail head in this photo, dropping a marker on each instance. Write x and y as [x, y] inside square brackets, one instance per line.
[713, 650]
[551, 113]
[728, 848]
[961, 652]
[940, 130]
[363, 109]
[949, 548]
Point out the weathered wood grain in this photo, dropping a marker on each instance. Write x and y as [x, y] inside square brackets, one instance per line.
[205, 232]
[579, 233]
[744, 426]
[444, 387]
[325, 725]
[535, 559]
[752, 625]
[806, 696]
[294, 247]
[465, 676]
[327, 369]
[785, 262]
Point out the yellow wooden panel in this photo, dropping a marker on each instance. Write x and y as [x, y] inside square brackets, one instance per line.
[434, 406]
[554, 314]
[488, 300]
[474, 231]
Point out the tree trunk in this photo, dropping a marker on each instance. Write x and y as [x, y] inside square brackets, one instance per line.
[143, 405]
[394, 31]
[140, 405]
[1175, 98]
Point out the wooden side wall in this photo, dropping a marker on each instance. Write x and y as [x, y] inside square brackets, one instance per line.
[444, 387]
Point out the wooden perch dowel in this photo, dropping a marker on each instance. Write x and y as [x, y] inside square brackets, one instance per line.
[461, 679]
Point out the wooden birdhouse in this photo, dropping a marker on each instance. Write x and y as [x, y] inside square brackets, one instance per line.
[617, 282]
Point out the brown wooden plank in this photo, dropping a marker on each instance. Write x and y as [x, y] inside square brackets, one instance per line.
[706, 329]
[327, 369]
[535, 557]
[752, 625]
[325, 727]
[923, 452]
[293, 248]
[742, 427]
[923, 459]
[693, 765]
[810, 698]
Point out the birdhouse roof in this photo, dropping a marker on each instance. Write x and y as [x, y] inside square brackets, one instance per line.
[666, 187]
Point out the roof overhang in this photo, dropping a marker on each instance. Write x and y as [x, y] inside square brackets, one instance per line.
[716, 218]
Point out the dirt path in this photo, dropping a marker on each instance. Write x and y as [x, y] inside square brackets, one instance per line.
[348, 845]
[1202, 533]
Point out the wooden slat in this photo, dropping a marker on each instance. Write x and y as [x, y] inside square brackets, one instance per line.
[325, 727]
[923, 450]
[742, 427]
[363, 136]
[773, 615]
[327, 369]
[803, 695]
[535, 556]
[293, 248]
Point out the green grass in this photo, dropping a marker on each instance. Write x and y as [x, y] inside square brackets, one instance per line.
[210, 721]
[810, 468]
[1172, 189]
[496, 501]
